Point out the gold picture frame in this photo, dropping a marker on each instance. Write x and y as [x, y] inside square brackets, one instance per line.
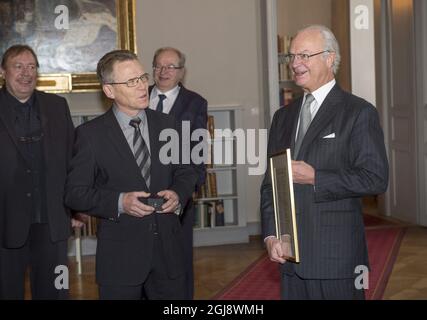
[83, 80]
[284, 204]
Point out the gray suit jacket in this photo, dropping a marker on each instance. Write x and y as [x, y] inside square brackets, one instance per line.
[351, 165]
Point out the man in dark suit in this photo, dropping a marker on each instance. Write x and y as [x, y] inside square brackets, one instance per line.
[339, 158]
[117, 164]
[189, 108]
[36, 138]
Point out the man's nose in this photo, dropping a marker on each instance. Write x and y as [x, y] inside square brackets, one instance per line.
[164, 70]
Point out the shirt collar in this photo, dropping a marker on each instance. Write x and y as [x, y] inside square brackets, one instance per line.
[321, 93]
[124, 119]
[30, 102]
[168, 94]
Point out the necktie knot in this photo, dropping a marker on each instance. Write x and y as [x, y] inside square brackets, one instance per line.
[162, 97]
[308, 100]
[135, 122]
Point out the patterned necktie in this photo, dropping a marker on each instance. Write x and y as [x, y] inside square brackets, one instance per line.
[304, 123]
[142, 155]
[160, 104]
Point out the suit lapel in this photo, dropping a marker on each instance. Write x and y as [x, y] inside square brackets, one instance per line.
[291, 127]
[325, 114]
[179, 102]
[42, 104]
[8, 119]
[117, 138]
[154, 132]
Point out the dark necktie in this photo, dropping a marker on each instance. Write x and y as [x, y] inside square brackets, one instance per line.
[142, 155]
[160, 104]
[304, 123]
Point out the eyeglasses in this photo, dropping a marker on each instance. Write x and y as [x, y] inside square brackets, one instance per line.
[32, 68]
[31, 139]
[134, 81]
[290, 57]
[168, 68]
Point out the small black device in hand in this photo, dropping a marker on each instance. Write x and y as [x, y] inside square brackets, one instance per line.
[154, 201]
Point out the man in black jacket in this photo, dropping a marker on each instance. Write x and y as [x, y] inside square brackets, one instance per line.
[116, 168]
[168, 95]
[36, 138]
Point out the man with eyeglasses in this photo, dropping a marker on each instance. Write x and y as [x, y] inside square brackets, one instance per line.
[168, 95]
[116, 174]
[339, 156]
[36, 139]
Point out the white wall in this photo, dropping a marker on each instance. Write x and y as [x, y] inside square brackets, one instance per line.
[293, 15]
[362, 43]
[221, 40]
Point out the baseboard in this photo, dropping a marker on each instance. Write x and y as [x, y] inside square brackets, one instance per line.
[254, 228]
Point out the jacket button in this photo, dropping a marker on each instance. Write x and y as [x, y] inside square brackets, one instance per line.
[28, 171]
[29, 195]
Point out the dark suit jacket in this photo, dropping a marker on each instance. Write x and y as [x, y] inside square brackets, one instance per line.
[349, 166]
[15, 175]
[104, 166]
[190, 106]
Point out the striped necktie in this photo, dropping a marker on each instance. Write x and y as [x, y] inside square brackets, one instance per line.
[140, 149]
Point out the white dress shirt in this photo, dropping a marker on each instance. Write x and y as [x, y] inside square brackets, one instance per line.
[171, 96]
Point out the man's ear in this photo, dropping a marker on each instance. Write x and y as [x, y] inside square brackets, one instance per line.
[108, 90]
[331, 59]
[182, 75]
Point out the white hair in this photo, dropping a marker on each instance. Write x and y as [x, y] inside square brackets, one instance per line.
[330, 43]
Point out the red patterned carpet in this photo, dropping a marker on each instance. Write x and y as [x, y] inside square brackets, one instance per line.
[260, 281]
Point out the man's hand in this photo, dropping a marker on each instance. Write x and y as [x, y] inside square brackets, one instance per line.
[132, 206]
[172, 201]
[79, 219]
[275, 250]
[302, 173]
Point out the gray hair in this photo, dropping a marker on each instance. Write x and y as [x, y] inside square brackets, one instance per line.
[180, 55]
[104, 69]
[330, 43]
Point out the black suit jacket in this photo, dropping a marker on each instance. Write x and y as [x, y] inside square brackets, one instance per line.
[192, 107]
[15, 175]
[103, 166]
[350, 164]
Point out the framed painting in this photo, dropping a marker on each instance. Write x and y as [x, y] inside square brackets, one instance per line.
[68, 36]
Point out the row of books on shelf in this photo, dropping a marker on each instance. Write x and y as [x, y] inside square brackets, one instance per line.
[283, 46]
[284, 72]
[287, 95]
[209, 214]
[209, 189]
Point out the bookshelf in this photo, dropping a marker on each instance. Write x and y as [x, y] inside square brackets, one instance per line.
[220, 212]
[287, 88]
